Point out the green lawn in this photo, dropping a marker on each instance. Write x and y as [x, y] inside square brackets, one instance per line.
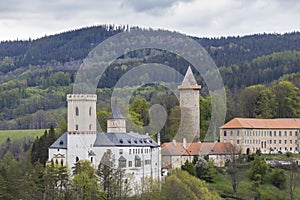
[19, 134]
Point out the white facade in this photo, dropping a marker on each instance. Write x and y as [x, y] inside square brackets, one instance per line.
[138, 154]
[82, 112]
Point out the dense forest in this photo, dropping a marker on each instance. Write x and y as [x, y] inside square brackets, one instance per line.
[261, 73]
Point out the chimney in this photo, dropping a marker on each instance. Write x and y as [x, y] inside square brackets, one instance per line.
[158, 138]
[174, 142]
[184, 143]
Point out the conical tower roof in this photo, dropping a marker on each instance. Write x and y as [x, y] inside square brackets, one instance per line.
[116, 113]
[189, 78]
[189, 81]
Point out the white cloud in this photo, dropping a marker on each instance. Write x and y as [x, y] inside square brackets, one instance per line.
[35, 18]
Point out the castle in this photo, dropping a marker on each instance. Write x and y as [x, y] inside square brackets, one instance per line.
[137, 154]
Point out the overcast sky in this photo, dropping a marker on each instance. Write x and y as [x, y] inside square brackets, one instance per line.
[203, 18]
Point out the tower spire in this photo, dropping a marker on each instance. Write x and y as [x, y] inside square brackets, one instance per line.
[189, 81]
[189, 78]
[116, 113]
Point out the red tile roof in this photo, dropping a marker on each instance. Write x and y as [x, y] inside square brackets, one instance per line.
[280, 123]
[192, 149]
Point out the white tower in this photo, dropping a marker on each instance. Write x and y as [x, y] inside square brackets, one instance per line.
[81, 127]
[82, 112]
[190, 107]
[116, 123]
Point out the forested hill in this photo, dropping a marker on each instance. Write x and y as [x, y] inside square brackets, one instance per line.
[35, 75]
[76, 44]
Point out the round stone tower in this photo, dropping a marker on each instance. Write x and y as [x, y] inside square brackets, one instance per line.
[190, 108]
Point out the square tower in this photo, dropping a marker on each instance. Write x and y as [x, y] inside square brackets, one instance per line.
[82, 112]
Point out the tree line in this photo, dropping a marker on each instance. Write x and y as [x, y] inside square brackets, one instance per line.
[26, 173]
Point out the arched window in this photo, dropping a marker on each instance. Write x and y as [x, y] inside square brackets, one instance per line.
[77, 111]
[77, 159]
[91, 159]
[62, 162]
[90, 111]
[76, 127]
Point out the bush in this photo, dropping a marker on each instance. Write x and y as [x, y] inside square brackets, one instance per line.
[278, 178]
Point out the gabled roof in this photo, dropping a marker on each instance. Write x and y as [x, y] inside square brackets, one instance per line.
[122, 158]
[193, 149]
[91, 153]
[124, 139]
[251, 123]
[116, 113]
[61, 142]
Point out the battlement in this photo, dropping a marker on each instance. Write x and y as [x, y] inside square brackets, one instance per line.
[80, 97]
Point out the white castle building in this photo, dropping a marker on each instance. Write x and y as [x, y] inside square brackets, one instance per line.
[137, 154]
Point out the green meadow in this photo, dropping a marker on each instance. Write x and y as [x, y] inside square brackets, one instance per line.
[19, 134]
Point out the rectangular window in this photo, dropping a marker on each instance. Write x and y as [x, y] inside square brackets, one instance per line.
[296, 133]
[238, 133]
[285, 141]
[291, 133]
[129, 163]
[225, 134]
[274, 133]
[238, 141]
[274, 141]
[147, 162]
[279, 141]
[270, 141]
[296, 141]
[291, 141]
[231, 133]
[271, 133]
[285, 134]
[129, 151]
[279, 133]
[120, 151]
[137, 163]
[122, 163]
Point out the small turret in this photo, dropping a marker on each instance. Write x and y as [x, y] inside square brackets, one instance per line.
[116, 123]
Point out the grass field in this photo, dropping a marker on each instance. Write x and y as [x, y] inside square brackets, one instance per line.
[19, 134]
